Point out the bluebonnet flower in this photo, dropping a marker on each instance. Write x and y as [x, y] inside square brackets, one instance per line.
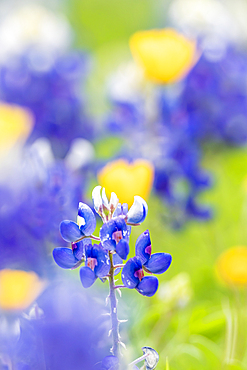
[42, 195]
[53, 334]
[157, 263]
[48, 84]
[114, 235]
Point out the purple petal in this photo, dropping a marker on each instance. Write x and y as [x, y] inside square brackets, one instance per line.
[87, 277]
[105, 234]
[143, 247]
[103, 262]
[70, 231]
[128, 272]
[110, 363]
[138, 211]
[79, 248]
[87, 215]
[122, 248]
[158, 263]
[64, 258]
[148, 286]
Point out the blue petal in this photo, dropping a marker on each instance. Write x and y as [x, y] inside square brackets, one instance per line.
[143, 247]
[148, 286]
[138, 211]
[117, 261]
[64, 257]
[118, 210]
[70, 231]
[105, 235]
[122, 249]
[87, 276]
[158, 263]
[87, 214]
[110, 363]
[128, 272]
[79, 248]
[103, 262]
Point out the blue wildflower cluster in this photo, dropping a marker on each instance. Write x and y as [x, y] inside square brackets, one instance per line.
[209, 105]
[113, 245]
[50, 86]
[105, 260]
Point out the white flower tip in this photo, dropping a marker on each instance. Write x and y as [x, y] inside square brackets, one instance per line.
[97, 200]
[113, 201]
[105, 199]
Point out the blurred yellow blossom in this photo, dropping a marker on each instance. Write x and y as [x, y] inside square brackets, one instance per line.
[15, 125]
[165, 55]
[232, 266]
[127, 179]
[18, 289]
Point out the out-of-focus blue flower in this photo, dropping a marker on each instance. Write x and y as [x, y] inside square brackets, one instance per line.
[66, 329]
[42, 197]
[49, 85]
[110, 363]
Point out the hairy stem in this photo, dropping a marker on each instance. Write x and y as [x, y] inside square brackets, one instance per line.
[113, 311]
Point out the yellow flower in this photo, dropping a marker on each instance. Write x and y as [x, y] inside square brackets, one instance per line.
[18, 289]
[127, 179]
[15, 125]
[232, 266]
[165, 55]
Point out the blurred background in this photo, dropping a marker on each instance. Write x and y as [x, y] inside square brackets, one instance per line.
[144, 98]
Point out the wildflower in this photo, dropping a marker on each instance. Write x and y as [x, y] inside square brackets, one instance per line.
[133, 274]
[97, 264]
[85, 226]
[110, 363]
[232, 266]
[165, 55]
[138, 175]
[70, 258]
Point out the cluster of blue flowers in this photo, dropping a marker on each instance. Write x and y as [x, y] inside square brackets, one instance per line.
[51, 87]
[52, 335]
[209, 105]
[113, 241]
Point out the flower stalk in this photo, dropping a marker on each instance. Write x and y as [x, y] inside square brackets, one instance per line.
[113, 309]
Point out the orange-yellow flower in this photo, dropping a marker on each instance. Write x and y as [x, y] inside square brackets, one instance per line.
[18, 289]
[15, 125]
[127, 179]
[232, 266]
[165, 55]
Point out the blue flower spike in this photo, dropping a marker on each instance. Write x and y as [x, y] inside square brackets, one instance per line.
[156, 263]
[105, 260]
[138, 211]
